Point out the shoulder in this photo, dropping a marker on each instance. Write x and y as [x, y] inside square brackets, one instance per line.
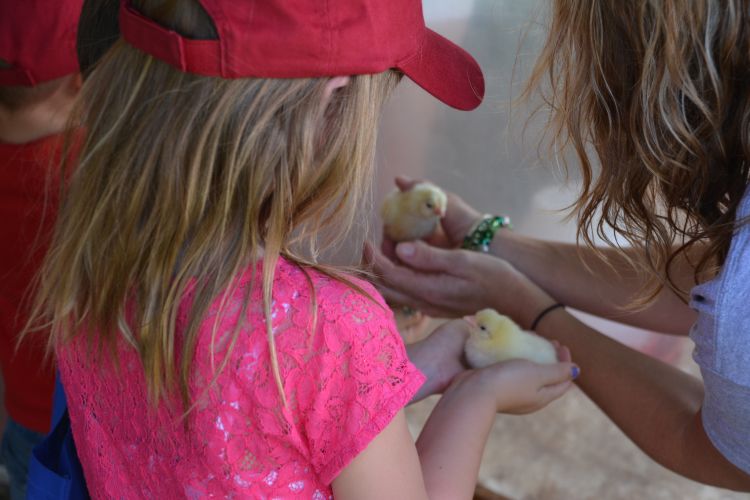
[357, 374]
[329, 313]
[349, 298]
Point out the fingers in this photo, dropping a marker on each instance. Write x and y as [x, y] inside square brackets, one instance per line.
[388, 247]
[550, 393]
[563, 353]
[427, 258]
[557, 373]
[398, 278]
[395, 298]
[456, 328]
[433, 293]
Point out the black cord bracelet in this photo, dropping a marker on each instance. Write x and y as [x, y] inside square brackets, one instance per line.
[544, 313]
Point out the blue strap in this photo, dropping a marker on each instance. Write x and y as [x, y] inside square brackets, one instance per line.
[59, 403]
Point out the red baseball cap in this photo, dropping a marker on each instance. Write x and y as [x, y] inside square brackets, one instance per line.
[314, 38]
[38, 40]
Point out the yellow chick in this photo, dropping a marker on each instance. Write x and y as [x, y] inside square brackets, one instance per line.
[413, 214]
[494, 337]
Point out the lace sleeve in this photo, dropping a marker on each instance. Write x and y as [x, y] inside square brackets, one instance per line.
[364, 379]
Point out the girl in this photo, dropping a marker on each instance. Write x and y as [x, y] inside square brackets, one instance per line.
[204, 349]
[656, 94]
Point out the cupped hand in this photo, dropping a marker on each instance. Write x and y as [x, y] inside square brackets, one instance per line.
[440, 357]
[454, 283]
[519, 386]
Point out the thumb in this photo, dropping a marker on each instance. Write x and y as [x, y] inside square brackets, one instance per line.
[559, 372]
[422, 256]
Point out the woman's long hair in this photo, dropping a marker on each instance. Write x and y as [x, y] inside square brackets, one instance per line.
[653, 96]
[183, 181]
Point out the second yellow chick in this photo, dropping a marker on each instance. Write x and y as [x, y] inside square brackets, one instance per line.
[494, 338]
[413, 214]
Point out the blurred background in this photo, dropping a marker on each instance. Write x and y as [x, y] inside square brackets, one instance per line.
[569, 450]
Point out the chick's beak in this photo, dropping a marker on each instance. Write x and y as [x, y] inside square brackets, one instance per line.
[439, 211]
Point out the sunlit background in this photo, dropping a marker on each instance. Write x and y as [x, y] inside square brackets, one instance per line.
[569, 450]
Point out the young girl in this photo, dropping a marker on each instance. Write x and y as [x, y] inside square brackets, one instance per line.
[204, 349]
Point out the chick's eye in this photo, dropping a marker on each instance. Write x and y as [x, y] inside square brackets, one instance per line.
[429, 204]
[483, 328]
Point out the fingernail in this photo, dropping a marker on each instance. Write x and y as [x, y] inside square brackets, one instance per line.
[575, 371]
[406, 249]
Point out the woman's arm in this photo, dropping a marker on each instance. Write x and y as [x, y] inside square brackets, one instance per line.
[579, 278]
[573, 275]
[656, 405]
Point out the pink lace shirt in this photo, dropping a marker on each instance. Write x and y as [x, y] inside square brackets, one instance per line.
[344, 382]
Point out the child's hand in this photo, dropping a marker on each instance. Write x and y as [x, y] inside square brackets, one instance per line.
[440, 357]
[519, 386]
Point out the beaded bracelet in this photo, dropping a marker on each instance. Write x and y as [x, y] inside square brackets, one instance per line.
[480, 237]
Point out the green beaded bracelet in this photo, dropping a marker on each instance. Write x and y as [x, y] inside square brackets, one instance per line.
[480, 237]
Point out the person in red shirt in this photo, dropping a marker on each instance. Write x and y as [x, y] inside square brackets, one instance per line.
[39, 81]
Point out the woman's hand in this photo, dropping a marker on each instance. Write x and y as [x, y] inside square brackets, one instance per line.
[440, 357]
[519, 386]
[453, 283]
[439, 279]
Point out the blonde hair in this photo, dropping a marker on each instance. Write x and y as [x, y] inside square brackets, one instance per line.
[656, 91]
[186, 180]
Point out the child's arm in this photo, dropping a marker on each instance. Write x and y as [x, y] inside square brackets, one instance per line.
[452, 441]
[445, 461]
[388, 468]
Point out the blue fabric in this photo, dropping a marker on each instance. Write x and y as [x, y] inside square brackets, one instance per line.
[55, 472]
[18, 441]
[722, 347]
[59, 404]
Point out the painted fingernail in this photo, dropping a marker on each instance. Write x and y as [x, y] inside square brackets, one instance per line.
[406, 249]
[575, 371]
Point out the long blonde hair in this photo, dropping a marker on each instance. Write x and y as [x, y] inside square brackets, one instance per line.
[657, 92]
[184, 181]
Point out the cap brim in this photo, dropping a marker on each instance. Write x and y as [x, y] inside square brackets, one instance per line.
[446, 71]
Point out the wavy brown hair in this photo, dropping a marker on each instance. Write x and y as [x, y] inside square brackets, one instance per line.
[183, 181]
[653, 96]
